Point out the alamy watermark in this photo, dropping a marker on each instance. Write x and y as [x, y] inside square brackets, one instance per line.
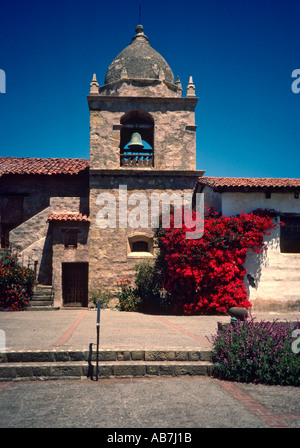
[296, 342]
[111, 216]
[2, 81]
[296, 84]
[2, 341]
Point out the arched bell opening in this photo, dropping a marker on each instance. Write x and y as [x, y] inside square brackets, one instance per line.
[137, 139]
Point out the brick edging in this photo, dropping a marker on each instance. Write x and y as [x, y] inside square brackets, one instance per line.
[256, 408]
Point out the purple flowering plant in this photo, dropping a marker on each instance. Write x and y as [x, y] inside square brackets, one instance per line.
[256, 352]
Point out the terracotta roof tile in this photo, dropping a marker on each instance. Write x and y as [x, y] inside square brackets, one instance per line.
[55, 217]
[46, 166]
[250, 184]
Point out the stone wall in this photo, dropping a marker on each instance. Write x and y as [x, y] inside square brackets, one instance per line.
[275, 279]
[276, 275]
[110, 257]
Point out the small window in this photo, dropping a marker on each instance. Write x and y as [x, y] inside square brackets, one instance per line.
[71, 237]
[140, 246]
[290, 235]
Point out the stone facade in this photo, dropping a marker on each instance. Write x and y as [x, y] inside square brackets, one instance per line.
[40, 196]
[110, 256]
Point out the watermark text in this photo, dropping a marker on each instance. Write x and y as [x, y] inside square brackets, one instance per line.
[2, 341]
[296, 342]
[136, 210]
[296, 84]
[2, 81]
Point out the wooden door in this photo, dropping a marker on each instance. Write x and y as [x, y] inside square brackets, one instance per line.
[75, 284]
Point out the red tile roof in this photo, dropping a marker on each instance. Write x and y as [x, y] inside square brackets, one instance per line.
[250, 184]
[68, 217]
[47, 166]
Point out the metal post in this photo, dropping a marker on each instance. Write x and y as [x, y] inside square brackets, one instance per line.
[98, 330]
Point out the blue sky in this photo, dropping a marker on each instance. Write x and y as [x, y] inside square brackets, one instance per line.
[241, 54]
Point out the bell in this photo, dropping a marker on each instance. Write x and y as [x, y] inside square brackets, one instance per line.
[136, 142]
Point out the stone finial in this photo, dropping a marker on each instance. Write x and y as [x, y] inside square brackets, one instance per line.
[94, 86]
[190, 90]
[140, 34]
[178, 85]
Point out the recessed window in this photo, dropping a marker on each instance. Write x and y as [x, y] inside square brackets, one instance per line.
[290, 234]
[71, 237]
[140, 246]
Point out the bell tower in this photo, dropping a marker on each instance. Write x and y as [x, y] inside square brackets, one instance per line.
[142, 136]
[140, 95]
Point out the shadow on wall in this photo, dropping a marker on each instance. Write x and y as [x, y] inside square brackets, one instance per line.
[45, 269]
[256, 262]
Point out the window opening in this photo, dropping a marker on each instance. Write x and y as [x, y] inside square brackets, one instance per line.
[290, 234]
[71, 237]
[137, 140]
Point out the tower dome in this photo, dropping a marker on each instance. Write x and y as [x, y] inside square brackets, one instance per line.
[139, 61]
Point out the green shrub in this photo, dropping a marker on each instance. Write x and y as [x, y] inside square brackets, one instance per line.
[145, 285]
[104, 295]
[128, 299]
[258, 352]
[149, 287]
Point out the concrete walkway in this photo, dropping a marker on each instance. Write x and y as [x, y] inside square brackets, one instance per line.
[65, 329]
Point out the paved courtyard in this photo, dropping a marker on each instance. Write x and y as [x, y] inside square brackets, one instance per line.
[198, 402]
[38, 330]
[182, 402]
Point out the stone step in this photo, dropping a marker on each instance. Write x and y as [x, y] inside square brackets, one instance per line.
[80, 364]
[42, 308]
[41, 302]
[42, 299]
[41, 296]
[18, 356]
[106, 369]
[43, 290]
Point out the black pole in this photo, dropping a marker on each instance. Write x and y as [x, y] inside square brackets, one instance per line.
[98, 328]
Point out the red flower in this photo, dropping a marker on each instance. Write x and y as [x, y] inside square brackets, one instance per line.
[206, 275]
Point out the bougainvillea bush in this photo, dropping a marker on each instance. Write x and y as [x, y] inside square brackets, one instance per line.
[258, 352]
[206, 275]
[16, 284]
